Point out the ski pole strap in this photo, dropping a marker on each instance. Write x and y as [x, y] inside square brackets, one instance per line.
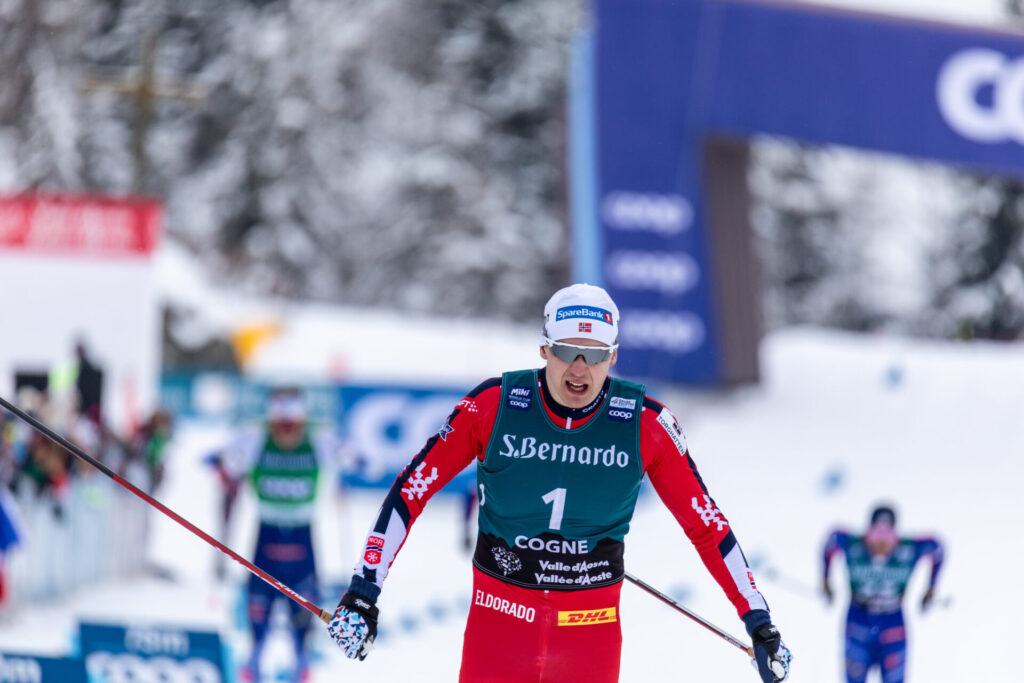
[692, 615]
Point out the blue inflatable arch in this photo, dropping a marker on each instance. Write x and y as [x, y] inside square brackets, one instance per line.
[665, 93]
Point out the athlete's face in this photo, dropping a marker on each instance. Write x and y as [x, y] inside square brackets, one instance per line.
[881, 538]
[286, 433]
[575, 384]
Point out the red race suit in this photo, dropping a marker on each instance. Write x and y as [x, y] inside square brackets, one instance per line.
[529, 634]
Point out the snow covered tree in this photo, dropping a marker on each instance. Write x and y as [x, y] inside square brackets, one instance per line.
[378, 153]
[977, 266]
[371, 152]
[39, 102]
[808, 202]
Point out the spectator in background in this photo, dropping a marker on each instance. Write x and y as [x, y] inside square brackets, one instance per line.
[10, 536]
[8, 463]
[10, 533]
[149, 445]
[62, 501]
[86, 435]
[229, 488]
[879, 566]
[46, 472]
[88, 384]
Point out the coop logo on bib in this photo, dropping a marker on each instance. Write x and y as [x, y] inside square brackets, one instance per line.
[617, 415]
[520, 398]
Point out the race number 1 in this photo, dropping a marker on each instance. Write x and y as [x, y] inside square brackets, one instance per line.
[557, 496]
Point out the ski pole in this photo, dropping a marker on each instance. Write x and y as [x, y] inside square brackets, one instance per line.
[696, 617]
[789, 583]
[74, 450]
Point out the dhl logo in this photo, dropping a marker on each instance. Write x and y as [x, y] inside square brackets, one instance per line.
[586, 617]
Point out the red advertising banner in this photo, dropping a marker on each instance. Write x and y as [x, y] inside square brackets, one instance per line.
[80, 224]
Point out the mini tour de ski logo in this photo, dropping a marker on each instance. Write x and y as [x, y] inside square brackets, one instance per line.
[709, 512]
[507, 560]
[418, 484]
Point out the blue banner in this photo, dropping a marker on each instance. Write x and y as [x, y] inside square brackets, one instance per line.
[383, 425]
[949, 93]
[388, 425]
[26, 668]
[655, 256]
[114, 653]
[669, 75]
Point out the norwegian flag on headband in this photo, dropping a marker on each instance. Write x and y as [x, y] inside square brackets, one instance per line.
[585, 327]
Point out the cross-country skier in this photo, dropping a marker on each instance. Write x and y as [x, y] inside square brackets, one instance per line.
[560, 453]
[879, 565]
[282, 461]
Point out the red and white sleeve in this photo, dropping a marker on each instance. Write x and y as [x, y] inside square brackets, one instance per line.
[463, 437]
[675, 477]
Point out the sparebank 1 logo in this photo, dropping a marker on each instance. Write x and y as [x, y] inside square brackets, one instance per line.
[981, 95]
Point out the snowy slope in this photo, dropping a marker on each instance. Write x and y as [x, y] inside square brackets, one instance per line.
[935, 428]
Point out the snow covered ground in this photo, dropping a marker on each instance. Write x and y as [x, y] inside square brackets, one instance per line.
[839, 423]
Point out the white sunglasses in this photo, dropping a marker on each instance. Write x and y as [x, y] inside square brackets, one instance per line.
[591, 354]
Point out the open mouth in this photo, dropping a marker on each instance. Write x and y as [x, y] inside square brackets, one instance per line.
[576, 389]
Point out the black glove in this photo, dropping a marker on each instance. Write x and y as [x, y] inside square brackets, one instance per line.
[354, 625]
[771, 655]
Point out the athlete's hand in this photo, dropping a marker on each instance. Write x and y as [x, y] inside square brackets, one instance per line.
[354, 625]
[771, 656]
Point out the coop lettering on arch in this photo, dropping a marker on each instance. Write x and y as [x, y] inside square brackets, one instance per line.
[663, 118]
[964, 80]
